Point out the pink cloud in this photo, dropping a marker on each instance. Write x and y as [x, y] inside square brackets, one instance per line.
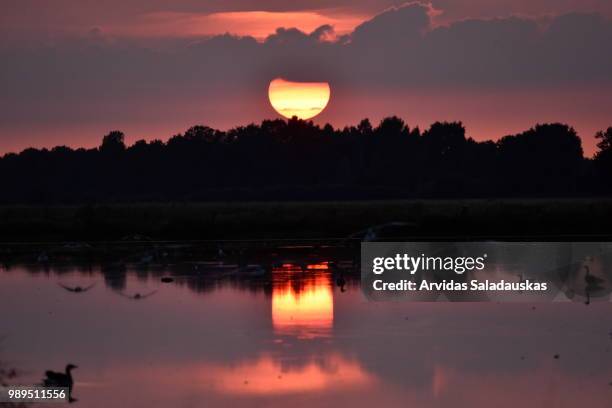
[258, 24]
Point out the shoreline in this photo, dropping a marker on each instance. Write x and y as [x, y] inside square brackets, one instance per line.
[455, 220]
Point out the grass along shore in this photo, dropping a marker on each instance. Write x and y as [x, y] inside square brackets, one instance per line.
[559, 219]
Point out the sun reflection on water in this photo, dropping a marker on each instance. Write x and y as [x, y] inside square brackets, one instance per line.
[304, 308]
[268, 376]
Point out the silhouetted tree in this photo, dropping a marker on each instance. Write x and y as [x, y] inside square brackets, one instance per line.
[444, 138]
[392, 127]
[114, 142]
[603, 158]
[605, 144]
[544, 160]
[365, 127]
[296, 159]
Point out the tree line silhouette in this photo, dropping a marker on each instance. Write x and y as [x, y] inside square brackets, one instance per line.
[298, 160]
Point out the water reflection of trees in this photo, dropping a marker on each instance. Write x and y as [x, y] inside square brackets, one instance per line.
[200, 278]
[255, 267]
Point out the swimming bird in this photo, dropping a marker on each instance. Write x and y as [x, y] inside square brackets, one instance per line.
[77, 289]
[63, 380]
[55, 379]
[138, 296]
[590, 279]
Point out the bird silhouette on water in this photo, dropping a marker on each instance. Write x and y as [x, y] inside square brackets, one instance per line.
[138, 296]
[77, 289]
[593, 284]
[62, 380]
[591, 280]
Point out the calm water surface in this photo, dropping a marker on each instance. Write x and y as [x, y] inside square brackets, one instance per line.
[296, 339]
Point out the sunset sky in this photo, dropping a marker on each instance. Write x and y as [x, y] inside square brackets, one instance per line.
[71, 70]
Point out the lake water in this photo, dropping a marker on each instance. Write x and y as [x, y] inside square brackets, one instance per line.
[293, 338]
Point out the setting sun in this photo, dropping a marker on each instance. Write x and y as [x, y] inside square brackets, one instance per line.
[302, 99]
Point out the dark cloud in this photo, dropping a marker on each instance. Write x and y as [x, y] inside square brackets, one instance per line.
[396, 48]
[393, 27]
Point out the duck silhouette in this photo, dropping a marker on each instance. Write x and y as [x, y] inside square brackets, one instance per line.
[77, 289]
[63, 380]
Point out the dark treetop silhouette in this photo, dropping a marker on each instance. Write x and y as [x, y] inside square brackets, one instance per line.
[295, 159]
